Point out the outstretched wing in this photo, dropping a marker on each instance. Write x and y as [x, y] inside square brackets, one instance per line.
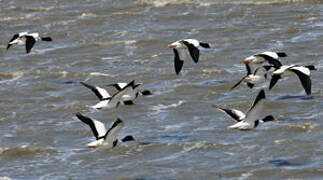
[99, 92]
[303, 74]
[257, 107]
[194, 51]
[117, 97]
[277, 64]
[233, 113]
[237, 84]
[14, 37]
[111, 134]
[97, 127]
[248, 68]
[30, 41]
[178, 63]
[274, 80]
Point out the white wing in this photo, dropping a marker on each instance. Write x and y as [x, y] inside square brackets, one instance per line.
[257, 108]
[113, 131]
[183, 53]
[271, 54]
[104, 93]
[122, 85]
[195, 42]
[100, 128]
[302, 69]
[34, 35]
[118, 96]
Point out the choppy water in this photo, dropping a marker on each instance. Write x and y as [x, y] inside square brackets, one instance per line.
[180, 135]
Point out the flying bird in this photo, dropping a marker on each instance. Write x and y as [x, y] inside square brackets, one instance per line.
[251, 119]
[132, 94]
[108, 101]
[303, 73]
[28, 39]
[180, 49]
[268, 56]
[103, 136]
[258, 76]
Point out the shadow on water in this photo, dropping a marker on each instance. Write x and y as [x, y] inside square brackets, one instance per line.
[282, 163]
[69, 82]
[166, 138]
[295, 97]
[155, 179]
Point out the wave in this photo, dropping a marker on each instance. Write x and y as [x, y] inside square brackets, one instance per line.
[25, 150]
[6, 77]
[163, 3]
[161, 107]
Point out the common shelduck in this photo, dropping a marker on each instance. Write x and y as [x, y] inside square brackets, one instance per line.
[103, 136]
[28, 39]
[133, 94]
[108, 101]
[303, 73]
[251, 119]
[180, 51]
[258, 76]
[268, 56]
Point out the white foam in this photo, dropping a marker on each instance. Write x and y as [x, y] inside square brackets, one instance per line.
[5, 178]
[100, 74]
[160, 107]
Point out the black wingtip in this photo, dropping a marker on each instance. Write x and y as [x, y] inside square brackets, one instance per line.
[118, 121]
[250, 85]
[261, 94]
[146, 92]
[273, 81]
[8, 46]
[78, 114]
[178, 64]
[128, 103]
[178, 67]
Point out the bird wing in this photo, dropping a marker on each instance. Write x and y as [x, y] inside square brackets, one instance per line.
[178, 63]
[303, 74]
[248, 68]
[277, 64]
[30, 41]
[99, 92]
[118, 86]
[274, 80]
[117, 97]
[194, 51]
[14, 37]
[233, 113]
[257, 107]
[97, 127]
[237, 84]
[111, 134]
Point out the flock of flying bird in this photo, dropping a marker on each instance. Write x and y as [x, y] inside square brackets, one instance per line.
[184, 50]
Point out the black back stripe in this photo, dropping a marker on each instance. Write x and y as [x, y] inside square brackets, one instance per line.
[305, 80]
[277, 64]
[261, 95]
[274, 80]
[94, 90]
[89, 122]
[194, 51]
[14, 37]
[115, 124]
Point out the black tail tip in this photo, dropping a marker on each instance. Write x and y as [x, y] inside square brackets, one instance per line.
[128, 103]
[146, 92]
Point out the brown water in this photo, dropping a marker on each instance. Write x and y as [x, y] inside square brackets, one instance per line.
[180, 135]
